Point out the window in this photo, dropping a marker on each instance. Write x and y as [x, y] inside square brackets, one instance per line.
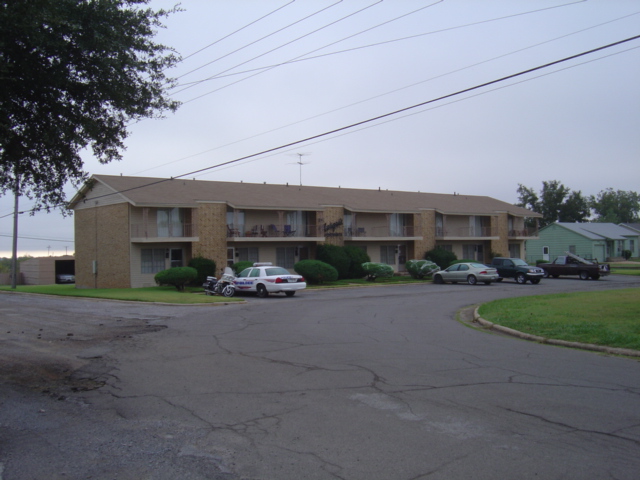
[152, 260]
[286, 256]
[170, 222]
[472, 252]
[247, 254]
[514, 250]
[388, 254]
[572, 249]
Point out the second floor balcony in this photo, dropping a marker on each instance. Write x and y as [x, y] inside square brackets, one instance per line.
[271, 231]
[525, 232]
[381, 231]
[466, 232]
[154, 232]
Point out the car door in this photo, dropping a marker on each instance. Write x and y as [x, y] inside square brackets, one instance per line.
[508, 269]
[450, 273]
[463, 271]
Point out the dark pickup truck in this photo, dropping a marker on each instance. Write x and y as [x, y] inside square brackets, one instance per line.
[571, 264]
[518, 269]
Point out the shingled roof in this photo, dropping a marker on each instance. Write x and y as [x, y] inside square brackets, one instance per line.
[159, 192]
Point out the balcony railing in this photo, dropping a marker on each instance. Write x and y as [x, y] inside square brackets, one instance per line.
[378, 232]
[271, 231]
[465, 232]
[174, 230]
[524, 232]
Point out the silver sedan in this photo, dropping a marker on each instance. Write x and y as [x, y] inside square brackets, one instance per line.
[471, 273]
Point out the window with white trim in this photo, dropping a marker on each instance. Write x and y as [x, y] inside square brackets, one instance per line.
[152, 260]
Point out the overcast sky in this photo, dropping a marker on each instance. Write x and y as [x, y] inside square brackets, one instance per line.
[260, 74]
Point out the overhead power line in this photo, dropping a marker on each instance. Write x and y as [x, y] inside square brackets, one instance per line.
[304, 56]
[376, 118]
[392, 91]
[236, 31]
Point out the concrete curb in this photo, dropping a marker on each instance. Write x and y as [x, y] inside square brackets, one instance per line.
[552, 341]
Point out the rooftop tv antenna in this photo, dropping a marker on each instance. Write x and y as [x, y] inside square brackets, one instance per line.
[300, 162]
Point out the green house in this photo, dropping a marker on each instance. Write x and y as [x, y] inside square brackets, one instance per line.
[592, 241]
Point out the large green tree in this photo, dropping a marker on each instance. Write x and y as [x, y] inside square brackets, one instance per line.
[616, 206]
[74, 74]
[555, 202]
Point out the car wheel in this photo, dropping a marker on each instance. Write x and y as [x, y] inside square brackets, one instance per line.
[584, 275]
[521, 279]
[471, 280]
[535, 281]
[289, 294]
[438, 279]
[229, 291]
[546, 274]
[262, 291]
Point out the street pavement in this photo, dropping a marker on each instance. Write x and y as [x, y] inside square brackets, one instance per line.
[363, 383]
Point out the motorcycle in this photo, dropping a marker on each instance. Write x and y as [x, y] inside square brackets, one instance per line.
[224, 286]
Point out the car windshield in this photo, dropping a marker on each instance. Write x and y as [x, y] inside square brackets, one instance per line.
[277, 271]
[477, 265]
[519, 261]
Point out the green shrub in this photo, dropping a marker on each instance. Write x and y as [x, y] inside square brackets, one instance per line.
[441, 257]
[421, 268]
[357, 256]
[315, 271]
[374, 270]
[336, 257]
[626, 254]
[464, 260]
[205, 268]
[240, 266]
[539, 261]
[177, 276]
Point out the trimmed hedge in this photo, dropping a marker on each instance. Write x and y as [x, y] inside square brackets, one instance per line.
[374, 270]
[421, 268]
[315, 271]
[205, 268]
[176, 276]
[441, 257]
[240, 266]
[357, 256]
[336, 257]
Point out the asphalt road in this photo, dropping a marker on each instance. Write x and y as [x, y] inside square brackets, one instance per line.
[363, 383]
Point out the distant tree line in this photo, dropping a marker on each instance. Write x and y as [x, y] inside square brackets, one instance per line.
[557, 203]
[5, 263]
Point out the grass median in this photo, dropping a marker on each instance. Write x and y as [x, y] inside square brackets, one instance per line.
[610, 318]
[193, 295]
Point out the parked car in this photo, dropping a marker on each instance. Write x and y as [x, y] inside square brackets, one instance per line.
[471, 273]
[518, 269]
[265, 278]
[65, 278]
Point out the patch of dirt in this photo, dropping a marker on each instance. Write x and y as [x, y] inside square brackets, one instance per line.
[60, 358]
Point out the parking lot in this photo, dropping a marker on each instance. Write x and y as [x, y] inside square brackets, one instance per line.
[362, 383]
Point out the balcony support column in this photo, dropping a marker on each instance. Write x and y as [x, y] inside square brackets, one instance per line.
[500, 225]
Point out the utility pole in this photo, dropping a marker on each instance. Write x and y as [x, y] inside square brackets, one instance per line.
[300, 162]
[14, 258]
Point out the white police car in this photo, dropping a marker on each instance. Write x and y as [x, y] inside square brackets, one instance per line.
[265, 278]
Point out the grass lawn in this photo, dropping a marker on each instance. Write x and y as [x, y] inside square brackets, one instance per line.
[150, 294]
[609, 318]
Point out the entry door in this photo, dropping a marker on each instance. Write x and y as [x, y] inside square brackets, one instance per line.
[176, 257]
[231, 256]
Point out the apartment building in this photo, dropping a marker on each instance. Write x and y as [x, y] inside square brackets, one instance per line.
[129, 228]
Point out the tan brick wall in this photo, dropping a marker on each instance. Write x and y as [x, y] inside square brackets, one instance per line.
[332, 217]
[102, 234]
[425, 226]
[500, 226]
[211, 219]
